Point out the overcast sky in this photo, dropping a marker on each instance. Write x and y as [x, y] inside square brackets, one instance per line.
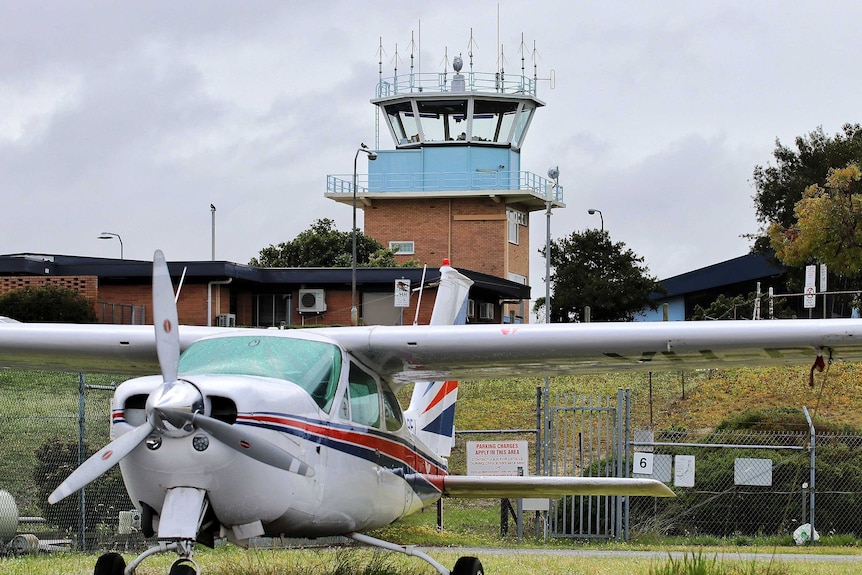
[134, 117]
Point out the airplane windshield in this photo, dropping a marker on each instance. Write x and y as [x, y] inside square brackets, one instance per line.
[313, 365]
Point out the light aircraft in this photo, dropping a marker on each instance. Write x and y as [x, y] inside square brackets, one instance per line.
[298, 433]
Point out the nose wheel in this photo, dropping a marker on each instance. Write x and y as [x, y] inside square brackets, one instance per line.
[110, 564]
[184, 566]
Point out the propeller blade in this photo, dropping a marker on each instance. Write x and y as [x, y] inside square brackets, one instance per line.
[100, 462]
[165, 319]
[253, 446]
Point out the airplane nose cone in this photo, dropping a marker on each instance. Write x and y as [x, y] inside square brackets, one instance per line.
[179, 396]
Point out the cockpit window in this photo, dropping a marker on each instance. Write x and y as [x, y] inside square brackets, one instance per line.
[364, 398]
[312, 365]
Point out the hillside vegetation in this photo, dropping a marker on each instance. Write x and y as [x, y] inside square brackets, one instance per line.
[693, 400]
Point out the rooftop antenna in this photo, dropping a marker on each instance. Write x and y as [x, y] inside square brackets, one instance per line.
[500, 57]
[470, 46]
[380, 53]
[552, 78]
[522, 49]
[445, 63]
[412, 47]
[396, 59]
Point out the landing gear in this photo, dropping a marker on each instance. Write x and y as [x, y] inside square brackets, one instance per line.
[184, 567]
[468, 566]
[464, 565]
[110, 564]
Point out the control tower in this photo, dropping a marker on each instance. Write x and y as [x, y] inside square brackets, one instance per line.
[453, 186]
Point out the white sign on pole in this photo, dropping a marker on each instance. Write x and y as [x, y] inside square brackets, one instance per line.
[497, 458]
[810, 292]
[823, 277]
[402, 293]
[810, 297]
[642, 464]
[810, 276]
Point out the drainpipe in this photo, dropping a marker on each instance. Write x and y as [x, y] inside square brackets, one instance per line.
[210, 297]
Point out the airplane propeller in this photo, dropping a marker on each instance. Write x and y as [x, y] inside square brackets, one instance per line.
[176, 407]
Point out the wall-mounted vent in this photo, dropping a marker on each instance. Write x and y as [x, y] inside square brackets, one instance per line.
[312, 301]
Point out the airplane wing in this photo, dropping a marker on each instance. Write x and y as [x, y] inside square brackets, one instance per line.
[89, 348]
[404, 354]
[434, 353]
[499, 487]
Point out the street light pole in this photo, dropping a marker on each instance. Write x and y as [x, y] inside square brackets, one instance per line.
[354, 311]
[110, 236]
[554, 174]
[593, 212]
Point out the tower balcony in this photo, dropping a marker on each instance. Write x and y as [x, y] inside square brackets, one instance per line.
[526, 188]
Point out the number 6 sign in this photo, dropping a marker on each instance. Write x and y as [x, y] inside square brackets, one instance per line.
[642, 463]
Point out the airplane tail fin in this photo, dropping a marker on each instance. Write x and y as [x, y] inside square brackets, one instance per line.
[431, 414]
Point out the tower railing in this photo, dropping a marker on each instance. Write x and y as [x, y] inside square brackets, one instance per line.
[481, 82]
[445, 181]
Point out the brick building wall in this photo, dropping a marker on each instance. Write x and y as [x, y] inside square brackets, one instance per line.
[88, 286]
[471, 232]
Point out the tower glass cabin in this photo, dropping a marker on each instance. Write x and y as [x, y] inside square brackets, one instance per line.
[453, 186]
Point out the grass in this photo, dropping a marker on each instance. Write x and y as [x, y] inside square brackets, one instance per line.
[229, 560]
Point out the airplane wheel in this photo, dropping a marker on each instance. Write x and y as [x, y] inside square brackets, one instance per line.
[110, 564]
[182, 569]
[468, 566]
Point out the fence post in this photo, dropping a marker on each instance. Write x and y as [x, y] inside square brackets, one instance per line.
[82, 502]
[811, 467]
[618, 519]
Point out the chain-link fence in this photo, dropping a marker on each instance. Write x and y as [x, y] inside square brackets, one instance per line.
[752, 483]
[50, 422]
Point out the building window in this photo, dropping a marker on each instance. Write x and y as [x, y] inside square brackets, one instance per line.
[516, 219]
[486, 311]
[402, 248]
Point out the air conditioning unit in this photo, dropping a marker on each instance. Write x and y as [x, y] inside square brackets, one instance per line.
[227, 320]
[312, 301]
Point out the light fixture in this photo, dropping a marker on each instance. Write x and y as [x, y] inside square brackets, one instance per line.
[110, 236]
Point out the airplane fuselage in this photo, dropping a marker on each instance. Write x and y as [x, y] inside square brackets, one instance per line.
[366, 474]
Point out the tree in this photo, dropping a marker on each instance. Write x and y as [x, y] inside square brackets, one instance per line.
[324, 246]
[779, 187]
[740, 307]
[828, 226]
[49, 303]
[590, 270]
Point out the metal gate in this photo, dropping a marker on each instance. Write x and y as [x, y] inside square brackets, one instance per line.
[587, 435]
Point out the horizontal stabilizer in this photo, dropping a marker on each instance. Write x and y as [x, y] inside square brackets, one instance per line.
[493, 487]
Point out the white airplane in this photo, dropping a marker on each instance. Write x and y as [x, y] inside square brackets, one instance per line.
[298, 433]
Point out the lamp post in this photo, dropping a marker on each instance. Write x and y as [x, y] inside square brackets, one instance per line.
[593, 212]
[554, 174]
[354, 311]
[110, 236]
